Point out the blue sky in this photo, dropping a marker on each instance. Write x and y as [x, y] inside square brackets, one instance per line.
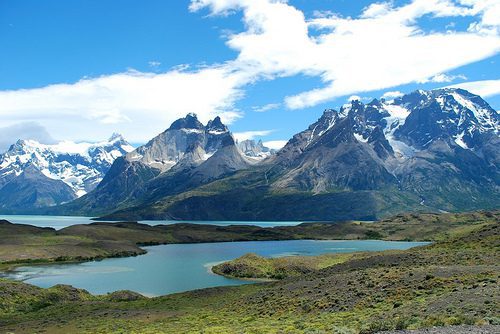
[82, 69]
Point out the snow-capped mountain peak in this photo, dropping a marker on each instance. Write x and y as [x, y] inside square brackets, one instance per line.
[115, 136]
[415, 120]
[448, 113]
[80, 165]
[408, 124]
[470, 108]
[186, 142]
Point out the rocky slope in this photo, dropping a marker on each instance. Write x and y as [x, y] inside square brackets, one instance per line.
[427, 150]
[413, 143]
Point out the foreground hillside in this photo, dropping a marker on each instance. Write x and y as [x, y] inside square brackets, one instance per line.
[452, 282]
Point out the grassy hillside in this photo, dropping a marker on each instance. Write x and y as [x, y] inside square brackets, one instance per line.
[259, 203]
[454, 281]
[28, 244]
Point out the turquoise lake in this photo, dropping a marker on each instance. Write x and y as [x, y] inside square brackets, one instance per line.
[174, 268]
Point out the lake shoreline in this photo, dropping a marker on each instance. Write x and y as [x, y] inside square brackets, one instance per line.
[7, 267]
[180, 267]
[86, 243]
[379, 291]
[95, 241]
[10, 270]
[28, 244]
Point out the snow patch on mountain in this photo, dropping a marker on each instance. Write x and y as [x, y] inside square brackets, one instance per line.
[397, 117]
[481, 114]
[460, 141]
[360, 138]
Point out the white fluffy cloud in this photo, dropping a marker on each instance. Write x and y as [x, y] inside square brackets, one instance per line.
[354, 98]
[392, 94]
[383, 47]
[441, 77]
[490, 16]
[138, 104]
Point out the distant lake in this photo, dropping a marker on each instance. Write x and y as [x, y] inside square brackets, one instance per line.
[168, 269]
[59, 222]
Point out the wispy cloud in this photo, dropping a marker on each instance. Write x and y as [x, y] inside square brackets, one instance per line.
[240, 136]
[267, 107]
[484, 88]
[24, 130]
[154, 64]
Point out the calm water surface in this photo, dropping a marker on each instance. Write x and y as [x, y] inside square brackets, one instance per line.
[59, 222]
[174, 268]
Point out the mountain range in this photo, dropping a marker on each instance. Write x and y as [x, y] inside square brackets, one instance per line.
[36, 175]
[186, 155]
[424, 151]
